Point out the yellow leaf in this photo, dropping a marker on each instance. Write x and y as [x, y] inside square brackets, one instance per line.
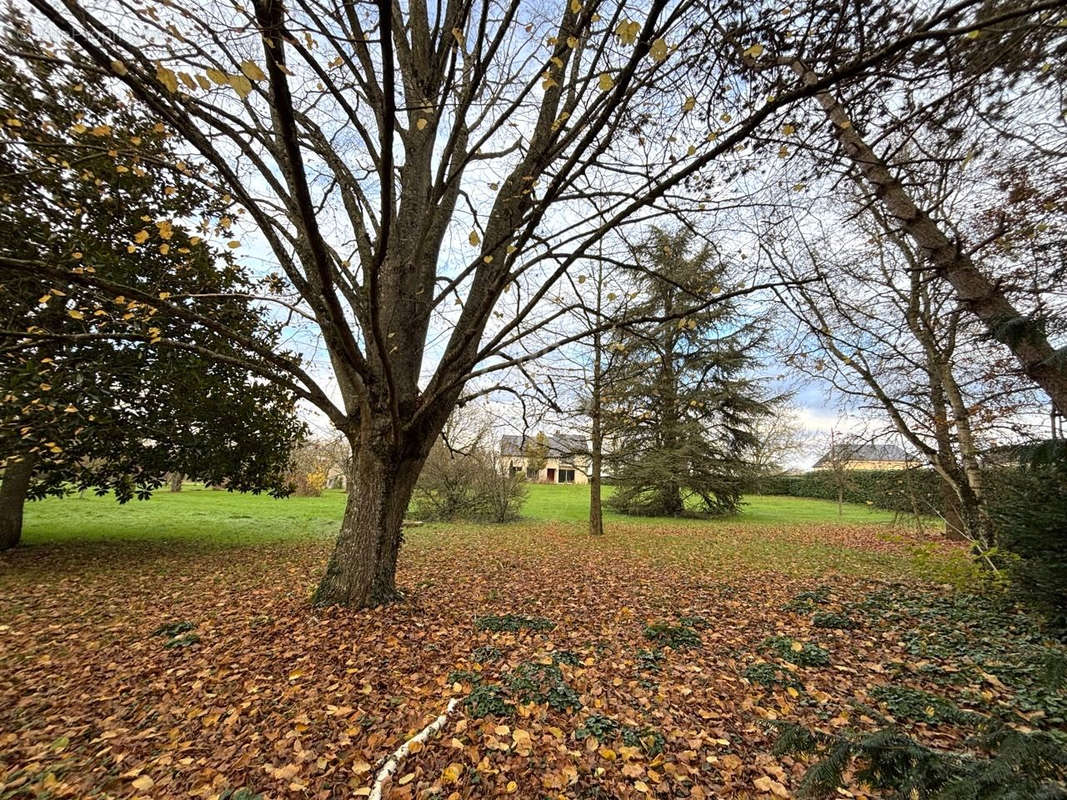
[421, 123]
[451, 773]
[241, 85]
[252, 71]
[168, 78]
[164, 248]
[607, 753]
[474, 238]
[75, 314]
[641, 786]
[788, 130]
[233, 244]
[140, 237]
[572, 42]
[45, 299]
[755, 51]
[203, 82]
[627, 31]
[973, 34]
[512, 787]
[118, 68]
[218, 76]
[689, 104]
[796, 647]
[658, 51]
[606, 82]
[143, 784]
[406, 779]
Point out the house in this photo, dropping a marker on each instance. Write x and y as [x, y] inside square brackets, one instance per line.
[860, 455]
[560, 458]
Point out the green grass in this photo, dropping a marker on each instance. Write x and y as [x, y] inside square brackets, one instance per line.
[203, 514]
[792, 536]
[570, 503]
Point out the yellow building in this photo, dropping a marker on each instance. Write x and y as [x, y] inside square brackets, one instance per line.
[565, 458]
[852, 455]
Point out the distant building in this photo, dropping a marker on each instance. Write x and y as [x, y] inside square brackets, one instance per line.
[566, 458]
[857, 455]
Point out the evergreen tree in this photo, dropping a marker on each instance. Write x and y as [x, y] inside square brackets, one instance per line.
[683, 405]
[96, 394]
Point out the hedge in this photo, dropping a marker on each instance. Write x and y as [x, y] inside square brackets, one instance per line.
[894, 490]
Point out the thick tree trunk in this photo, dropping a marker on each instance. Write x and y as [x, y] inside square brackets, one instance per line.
[14, 487]
[362, 569]
[980, 295]
[174, 481]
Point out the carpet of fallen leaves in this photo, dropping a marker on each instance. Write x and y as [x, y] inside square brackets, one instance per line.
[260, 691]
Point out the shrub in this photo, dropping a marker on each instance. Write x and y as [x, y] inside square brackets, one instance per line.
[312, 461]
[1009, 764]
[466, 486]
[1029, 510]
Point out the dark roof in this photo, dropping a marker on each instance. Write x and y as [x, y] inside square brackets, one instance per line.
[560, 444]
[859, 451]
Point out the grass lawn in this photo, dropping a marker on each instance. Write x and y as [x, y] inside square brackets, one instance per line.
[167, 649]
[570, 503]
[206, 514]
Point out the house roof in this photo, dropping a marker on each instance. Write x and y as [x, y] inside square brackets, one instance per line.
[560, 444]
[860, 451]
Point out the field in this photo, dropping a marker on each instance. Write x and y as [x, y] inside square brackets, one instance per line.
[167, 649]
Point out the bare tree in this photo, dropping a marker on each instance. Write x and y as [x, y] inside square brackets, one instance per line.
[358, 144]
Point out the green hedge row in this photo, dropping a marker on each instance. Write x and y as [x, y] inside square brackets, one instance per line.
[894, 490]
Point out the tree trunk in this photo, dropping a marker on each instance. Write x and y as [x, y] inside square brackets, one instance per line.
[14, 487]
[174, 481]
[596, 456]
[361, 572]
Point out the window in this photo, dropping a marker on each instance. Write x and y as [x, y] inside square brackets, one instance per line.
[566, 476]
[531, 473]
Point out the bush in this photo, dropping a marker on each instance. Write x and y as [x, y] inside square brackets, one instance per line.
[311, 463]
[466, 486]
[900, 490]
[1029, 510]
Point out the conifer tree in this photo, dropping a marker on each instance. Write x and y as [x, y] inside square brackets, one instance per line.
[684, 405]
